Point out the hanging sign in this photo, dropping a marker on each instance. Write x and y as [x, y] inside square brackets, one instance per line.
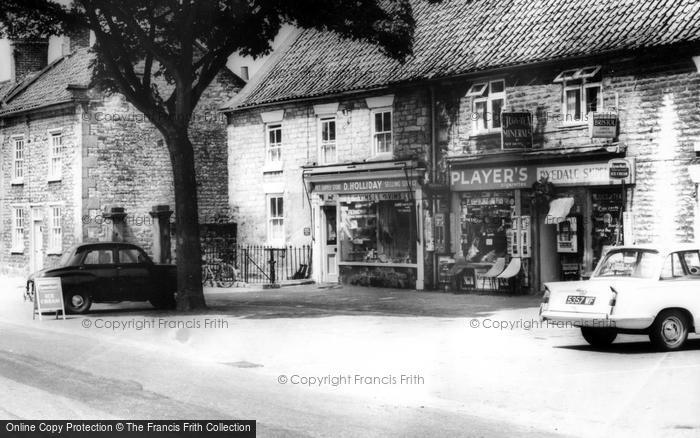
[619, 168]
[516, 130]
[48, 297]
[602, 125]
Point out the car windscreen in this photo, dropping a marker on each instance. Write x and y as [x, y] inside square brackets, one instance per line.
[69, 258]
[631, 263]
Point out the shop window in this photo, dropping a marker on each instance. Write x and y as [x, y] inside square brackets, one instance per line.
[582, 93]
[485, 220]
[18, 155]
[55, 231]
[55, 156]
[327, 151]
[274, 143]
[275, 218]
[378, 231]
[607, 221]
[489, 99]
[382, 132]
[18, 223]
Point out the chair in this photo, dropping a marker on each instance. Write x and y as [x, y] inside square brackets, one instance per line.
[511, 271]
[493, 273]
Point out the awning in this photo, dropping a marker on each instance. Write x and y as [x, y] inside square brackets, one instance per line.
[558, 210]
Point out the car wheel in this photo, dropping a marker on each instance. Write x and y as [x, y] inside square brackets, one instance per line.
[598, 337]
[670, 330]
[77, 302]
[165, 302]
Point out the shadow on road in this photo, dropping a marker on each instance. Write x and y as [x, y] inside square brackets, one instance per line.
[636, 347]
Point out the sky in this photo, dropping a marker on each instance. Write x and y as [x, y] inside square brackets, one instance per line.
[235, 61]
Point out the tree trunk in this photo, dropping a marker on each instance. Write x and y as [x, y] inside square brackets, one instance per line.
[190, 295]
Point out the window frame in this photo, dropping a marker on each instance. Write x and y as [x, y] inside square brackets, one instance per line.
[272, 238]
[373, 114]
[269, 127]
[481, 92]
[18, 163]
[17, 239]
[323, 144]
[55, 156]
[55, 241]
[579, 79]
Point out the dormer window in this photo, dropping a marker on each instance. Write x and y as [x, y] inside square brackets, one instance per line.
[489, 99]
[581, 93]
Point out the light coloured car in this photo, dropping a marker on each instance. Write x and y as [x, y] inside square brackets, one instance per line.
[650, 290]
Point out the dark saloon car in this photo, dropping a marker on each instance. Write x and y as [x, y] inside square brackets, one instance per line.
[110, 272]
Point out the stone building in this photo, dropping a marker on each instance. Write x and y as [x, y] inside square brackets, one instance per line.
[74, 160]
[492, 145]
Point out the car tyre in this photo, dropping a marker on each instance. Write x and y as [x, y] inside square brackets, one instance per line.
[599, 337]
[77, 302]
[165, 302]
[670, 330]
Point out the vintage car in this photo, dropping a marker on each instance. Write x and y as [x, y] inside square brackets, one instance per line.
[649, 290]
[110, 272]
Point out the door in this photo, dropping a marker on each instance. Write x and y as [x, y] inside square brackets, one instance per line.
[330, 244]
[134, 275]
[36, 261]
[99, 264]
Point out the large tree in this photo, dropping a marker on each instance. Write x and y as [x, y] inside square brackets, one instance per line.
[187, 42]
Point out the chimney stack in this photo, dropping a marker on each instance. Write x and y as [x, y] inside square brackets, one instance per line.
[28, 56]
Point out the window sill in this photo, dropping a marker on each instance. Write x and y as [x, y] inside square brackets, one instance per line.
[382, 156]
[273, 167]
[573, 125]
[489, 133]
[54, 179]
[17, 182]
[17, 251]
[54, 252]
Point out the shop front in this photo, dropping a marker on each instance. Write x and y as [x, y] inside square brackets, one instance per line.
[551, 220]
[367, 219]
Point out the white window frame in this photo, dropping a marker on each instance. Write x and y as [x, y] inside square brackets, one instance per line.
[481, 92]
[55, 156]
[577, 79]
[19, 228]
[375, 133]
[324, 144]
[274, 219]
[269, 146]
[19, 159]
[55, 229]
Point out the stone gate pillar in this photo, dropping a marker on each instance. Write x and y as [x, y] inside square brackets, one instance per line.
[161, 233]
[116, 216]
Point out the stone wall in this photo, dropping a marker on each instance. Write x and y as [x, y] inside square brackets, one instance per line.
[36, 190]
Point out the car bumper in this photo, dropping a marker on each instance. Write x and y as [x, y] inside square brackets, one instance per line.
[601, 320]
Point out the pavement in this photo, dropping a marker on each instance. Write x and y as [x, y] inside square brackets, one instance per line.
[469, 365]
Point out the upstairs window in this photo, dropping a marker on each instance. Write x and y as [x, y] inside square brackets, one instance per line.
[382, 132]
[55, 156]
[327, 152]
[274, 143]
[18, 154]
[489, 99]
[582, 93]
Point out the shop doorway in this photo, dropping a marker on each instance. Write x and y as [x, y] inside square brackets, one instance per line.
[330, 243]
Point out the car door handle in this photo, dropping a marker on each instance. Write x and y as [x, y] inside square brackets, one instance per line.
[119, 268]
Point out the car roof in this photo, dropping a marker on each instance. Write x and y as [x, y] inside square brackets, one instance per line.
[103, 245]
[661, 248]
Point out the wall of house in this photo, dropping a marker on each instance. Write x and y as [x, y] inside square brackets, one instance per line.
[36, 190]
[249, 181]
[656, 101]
[127, 163]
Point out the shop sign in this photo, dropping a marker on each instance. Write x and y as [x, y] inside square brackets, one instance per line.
[374, 185]
[619, 168]
[602, 125]
[516, 130]
[589, 174]
[48, 296]
[492, 178]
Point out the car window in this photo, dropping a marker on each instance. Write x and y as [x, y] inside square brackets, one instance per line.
[692, 262]
[132, 255]
[672, 267]
[99, 257]
[635, 263]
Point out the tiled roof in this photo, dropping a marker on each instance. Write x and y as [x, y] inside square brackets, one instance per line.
[456, 37]
[49, 87]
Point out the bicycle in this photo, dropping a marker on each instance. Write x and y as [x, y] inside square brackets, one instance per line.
[218, 273]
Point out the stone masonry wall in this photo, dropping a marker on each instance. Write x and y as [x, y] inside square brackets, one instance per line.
[36, 191]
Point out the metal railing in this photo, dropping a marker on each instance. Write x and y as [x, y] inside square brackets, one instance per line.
[260, 263]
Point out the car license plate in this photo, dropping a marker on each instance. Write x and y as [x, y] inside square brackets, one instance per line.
[580, 299]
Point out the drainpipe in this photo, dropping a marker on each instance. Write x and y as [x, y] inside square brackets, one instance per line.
[433, 171]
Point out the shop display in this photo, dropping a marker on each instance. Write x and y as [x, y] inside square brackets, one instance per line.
[485, 220]
[569, 235]
[377, 231]
[607, 222]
